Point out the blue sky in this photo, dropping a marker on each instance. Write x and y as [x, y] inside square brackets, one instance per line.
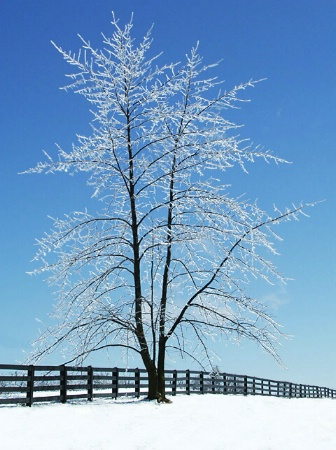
[292, 44]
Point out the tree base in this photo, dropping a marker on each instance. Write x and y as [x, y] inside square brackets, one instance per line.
[161, 399]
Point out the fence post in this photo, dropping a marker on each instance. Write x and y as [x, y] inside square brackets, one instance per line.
[188, 382]
[202, 382]
[137, 382]
[290, 390]
[245, 385]
[115, 382]
[63, 383]
[90, 383]
[30, 385]
[224, 384]
[174, 385]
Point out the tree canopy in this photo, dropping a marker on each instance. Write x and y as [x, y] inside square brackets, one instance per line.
[166, 262]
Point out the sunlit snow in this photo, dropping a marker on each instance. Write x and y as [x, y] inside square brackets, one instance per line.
[212, 422]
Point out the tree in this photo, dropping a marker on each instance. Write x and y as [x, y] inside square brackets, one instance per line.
[165, 264]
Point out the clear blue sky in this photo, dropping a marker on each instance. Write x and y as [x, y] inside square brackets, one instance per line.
[291, 43]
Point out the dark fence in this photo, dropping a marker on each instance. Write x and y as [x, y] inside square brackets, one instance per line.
[31, 384]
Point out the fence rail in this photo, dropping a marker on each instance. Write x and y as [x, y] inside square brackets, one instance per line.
[26, 385]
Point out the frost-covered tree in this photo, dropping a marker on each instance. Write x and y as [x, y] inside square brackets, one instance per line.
[166, 263]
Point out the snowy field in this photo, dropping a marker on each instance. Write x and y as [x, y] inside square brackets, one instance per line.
[211, 422]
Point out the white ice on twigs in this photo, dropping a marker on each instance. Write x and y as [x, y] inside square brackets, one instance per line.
[211, 422]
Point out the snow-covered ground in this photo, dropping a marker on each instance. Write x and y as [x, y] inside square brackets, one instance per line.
[209, 422]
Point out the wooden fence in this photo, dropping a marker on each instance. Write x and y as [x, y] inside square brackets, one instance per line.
[31, 384]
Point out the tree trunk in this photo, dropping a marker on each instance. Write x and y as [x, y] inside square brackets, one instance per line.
[152, 382]
[161, 387]
[156, 375]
